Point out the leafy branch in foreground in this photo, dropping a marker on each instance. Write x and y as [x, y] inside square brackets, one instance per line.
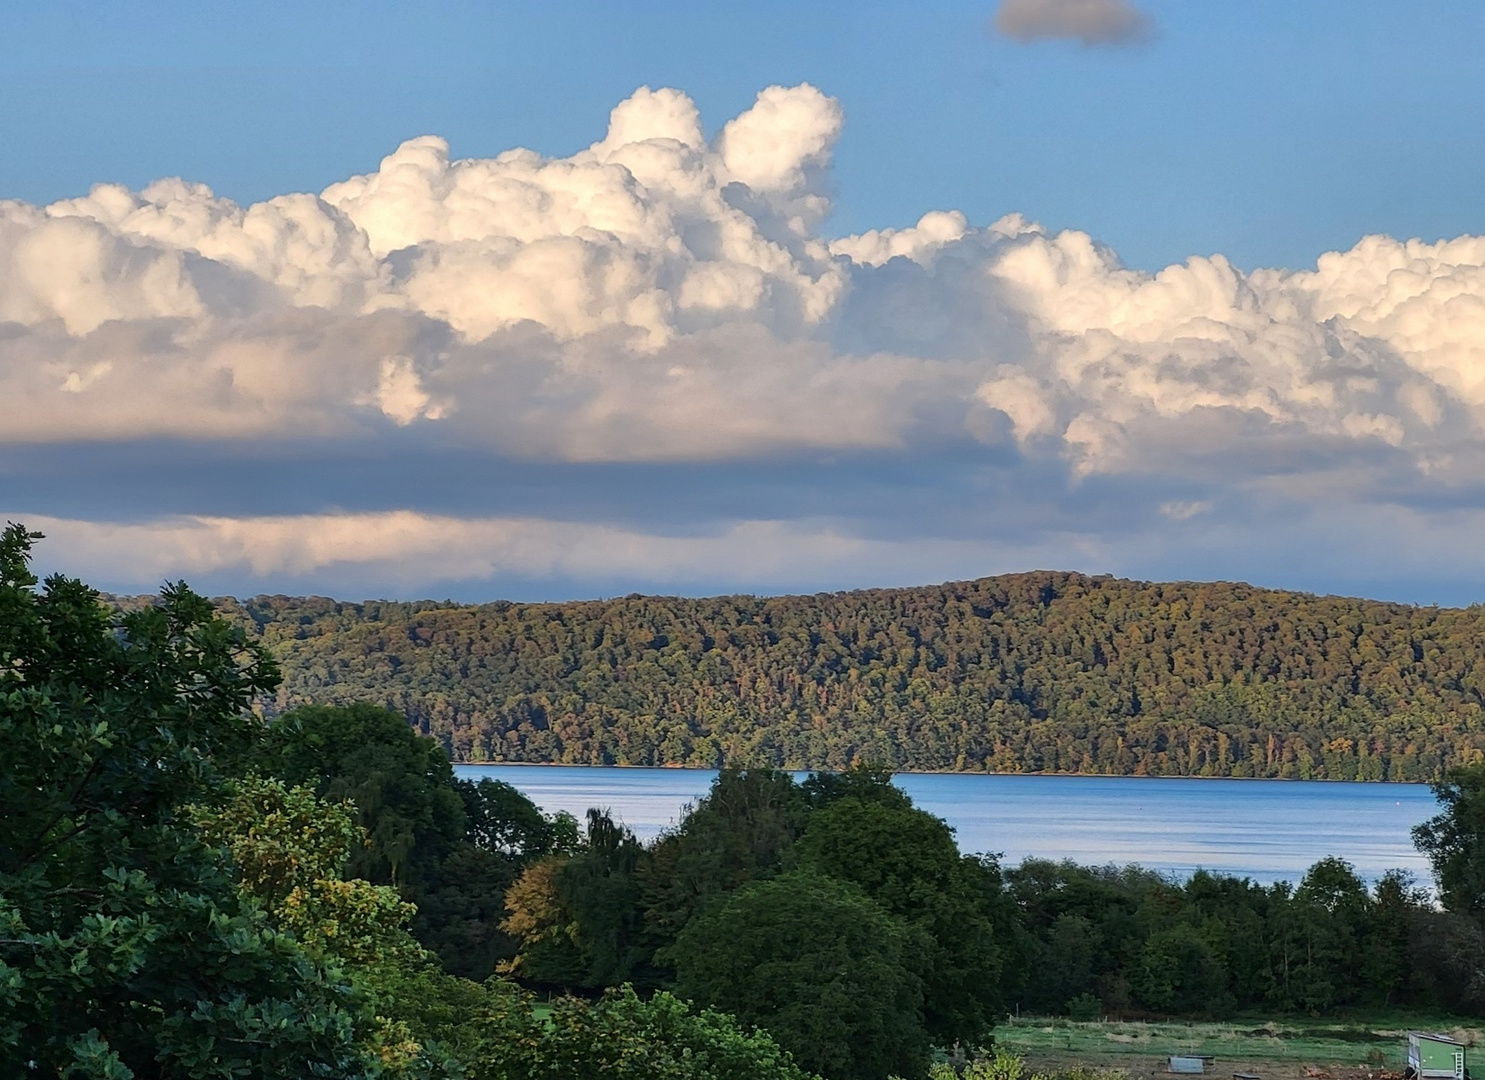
[126, 949]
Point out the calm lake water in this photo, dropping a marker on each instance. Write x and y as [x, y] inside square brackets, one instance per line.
[1269, 830]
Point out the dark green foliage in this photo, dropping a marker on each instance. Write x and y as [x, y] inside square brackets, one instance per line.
[1385, 959]
[1448, 961]
[578, 914]
[1044, 672]
[496, 1031]
[459, 914]
[1452, 943]
[865, 783]
[820, 965]
[1067, 964]
[402, 785]
[905, 859]
[453, 847]
[1179, 972]
[1042, 937]
[1216, 944]
[461, 906]
[500, 820]
[599, 886]
[614, 911]
[1454, 840]
[737, 833]
[1330, 917]
[125, 946]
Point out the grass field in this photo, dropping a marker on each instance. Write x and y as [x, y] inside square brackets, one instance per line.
[1273, 1050]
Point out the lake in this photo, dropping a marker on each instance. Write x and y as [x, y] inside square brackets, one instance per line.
[1268, 830]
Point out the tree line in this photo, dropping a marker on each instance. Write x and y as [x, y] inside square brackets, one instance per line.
[746, 901]
[192, 889]
[1042, 672]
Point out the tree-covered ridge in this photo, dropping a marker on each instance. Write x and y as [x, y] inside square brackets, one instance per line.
[1038, 672]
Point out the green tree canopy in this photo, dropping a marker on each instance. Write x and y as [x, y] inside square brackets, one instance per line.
[501, 820]
[462, 903]
[289, 850]
[739, 831]
[617, 1036]
[400, 782]
[816, 963]
[126, 949]
[1454, 839]
[906, 860]
[578, 914]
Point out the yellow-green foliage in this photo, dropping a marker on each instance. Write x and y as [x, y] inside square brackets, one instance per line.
[289, 849]
[1004, 1065]
[537, 916]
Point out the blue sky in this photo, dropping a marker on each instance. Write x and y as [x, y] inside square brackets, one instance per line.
[299, 400]
[1269, 131]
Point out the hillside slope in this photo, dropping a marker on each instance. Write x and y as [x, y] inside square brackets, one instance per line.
[1051, 672]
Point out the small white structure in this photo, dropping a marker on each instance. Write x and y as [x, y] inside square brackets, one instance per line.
[1435, 1057]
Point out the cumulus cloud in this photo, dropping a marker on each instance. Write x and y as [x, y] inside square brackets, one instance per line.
[662, 297]
[1093, 22]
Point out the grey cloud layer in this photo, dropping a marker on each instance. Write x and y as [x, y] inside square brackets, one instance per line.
[660, 299]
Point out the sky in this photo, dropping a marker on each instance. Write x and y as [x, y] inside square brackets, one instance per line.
[561, 300]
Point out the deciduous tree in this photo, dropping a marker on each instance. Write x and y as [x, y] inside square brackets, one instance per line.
[819, 965]
[126, 949]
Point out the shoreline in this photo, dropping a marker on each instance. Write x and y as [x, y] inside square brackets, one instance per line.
[947, 772]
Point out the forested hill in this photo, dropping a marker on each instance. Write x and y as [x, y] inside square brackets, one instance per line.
[1040, 672]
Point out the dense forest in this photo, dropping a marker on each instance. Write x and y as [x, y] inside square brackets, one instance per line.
[1041, 672]
[192, 889]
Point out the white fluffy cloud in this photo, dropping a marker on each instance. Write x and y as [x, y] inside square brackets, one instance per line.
[662, 297]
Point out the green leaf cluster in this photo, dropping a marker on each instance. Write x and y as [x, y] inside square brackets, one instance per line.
[126, 948]
[813, 960]
[618, 1036]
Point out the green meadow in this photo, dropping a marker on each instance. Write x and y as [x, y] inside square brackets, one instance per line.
[1268, 1049]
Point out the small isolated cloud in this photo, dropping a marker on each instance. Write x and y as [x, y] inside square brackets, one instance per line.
[1185, 509]
[1093, 22]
